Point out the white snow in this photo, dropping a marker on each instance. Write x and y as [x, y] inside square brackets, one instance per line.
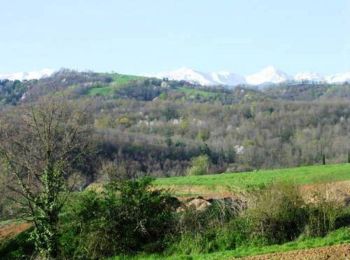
[202, 78]
[267, 75]
[227, 78]
[339, 78]
[27, 75]
[186, 74]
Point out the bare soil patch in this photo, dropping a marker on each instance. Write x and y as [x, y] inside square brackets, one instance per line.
[337, 252]
[13, 229]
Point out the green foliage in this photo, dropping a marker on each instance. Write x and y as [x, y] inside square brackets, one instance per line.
[323, 217]
[127, 217]
[199, 165]
[11, 91]
[19, 247]
[277, 215]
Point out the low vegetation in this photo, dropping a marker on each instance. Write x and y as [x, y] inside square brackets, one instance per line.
[133, 219]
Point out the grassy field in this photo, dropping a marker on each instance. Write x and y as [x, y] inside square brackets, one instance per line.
[118, 81]
[122, 79]
[232, 182]
[339, 236]
[101, 91]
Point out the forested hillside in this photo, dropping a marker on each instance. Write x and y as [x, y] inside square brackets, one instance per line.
[147, 126]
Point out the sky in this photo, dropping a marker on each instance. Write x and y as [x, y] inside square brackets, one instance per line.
[145, 36]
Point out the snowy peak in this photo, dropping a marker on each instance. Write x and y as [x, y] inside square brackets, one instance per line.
[267, 75]
[339, 78]
[202, 78]
[227, 78]
[186, 74]
[27, 75]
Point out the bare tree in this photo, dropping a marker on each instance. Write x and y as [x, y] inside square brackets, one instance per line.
[42, 146]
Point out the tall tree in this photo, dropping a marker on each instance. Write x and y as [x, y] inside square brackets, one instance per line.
[43, 146]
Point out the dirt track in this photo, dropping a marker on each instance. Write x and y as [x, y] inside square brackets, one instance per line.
[338, 252]
[14, 229]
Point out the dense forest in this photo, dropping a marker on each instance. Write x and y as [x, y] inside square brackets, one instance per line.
[157, 127]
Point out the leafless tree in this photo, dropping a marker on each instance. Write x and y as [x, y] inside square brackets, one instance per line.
[42, 146]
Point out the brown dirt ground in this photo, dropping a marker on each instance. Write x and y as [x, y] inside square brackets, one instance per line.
[337, 252]
[339, 191]
[13, 229]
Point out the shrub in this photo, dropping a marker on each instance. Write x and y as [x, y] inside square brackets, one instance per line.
[205, 231]
[325, 216]
[277, 215]
[129, 216]
[199, 165]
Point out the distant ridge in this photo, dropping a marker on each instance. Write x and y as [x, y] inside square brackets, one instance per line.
[27, 75]
[266, 76]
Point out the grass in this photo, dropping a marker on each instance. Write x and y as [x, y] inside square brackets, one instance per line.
[339, 236]
[101, 91]
[250, 180]
[119, 80]
[9, 221]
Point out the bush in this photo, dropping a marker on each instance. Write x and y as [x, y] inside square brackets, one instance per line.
[199, 165]
[277, 215]
[199, 236]
[325, 216]
[204, 231]
[129, 216]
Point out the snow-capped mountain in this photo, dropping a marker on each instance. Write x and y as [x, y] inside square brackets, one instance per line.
[227, 78]
[27, 75]
[339, 78]
[309, 76]
[186, 74]
[202, 78]
[268, 75]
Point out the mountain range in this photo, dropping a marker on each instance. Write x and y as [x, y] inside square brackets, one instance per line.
[27, 75]
[267, 76]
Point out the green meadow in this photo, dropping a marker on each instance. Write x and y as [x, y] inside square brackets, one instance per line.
[250, 180]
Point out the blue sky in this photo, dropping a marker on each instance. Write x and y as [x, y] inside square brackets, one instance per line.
[135, 36]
